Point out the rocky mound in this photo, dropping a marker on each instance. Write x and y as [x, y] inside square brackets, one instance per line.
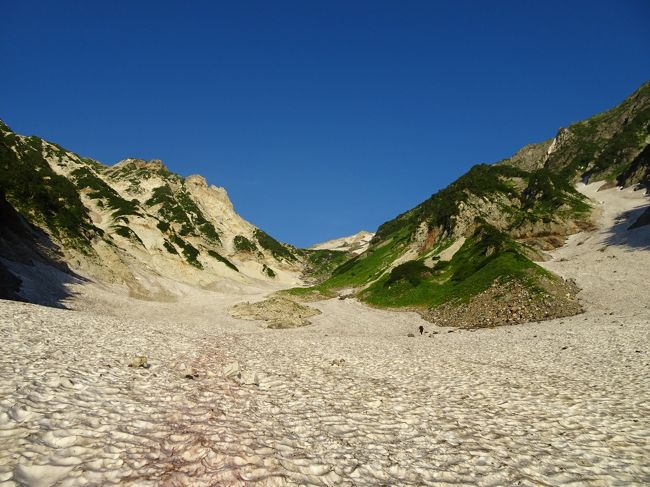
[510, 303]
[277, 312]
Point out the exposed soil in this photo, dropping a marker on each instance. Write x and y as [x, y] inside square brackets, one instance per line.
[277, 312]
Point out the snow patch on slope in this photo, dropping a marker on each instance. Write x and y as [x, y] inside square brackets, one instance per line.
[356, 244]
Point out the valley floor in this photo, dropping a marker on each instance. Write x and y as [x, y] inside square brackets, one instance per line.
[350, 400]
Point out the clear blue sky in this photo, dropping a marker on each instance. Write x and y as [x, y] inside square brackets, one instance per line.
[321, 118]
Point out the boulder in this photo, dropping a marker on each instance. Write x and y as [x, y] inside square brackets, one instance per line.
[232, 371]
[140, 361]
[250, 378]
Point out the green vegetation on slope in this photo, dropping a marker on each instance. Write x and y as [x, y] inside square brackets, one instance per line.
[638, 170]
[370, 265]
[242, 244]
[170, 248]
[319, 264]
[412, 271]
[189, 251]
[549, 197]
[178, 207]
[604, 146]
[41, 195]
[440, 209]
[278, 250]
[127, 233]
[135, 171]
[486, 256]
[84, 178]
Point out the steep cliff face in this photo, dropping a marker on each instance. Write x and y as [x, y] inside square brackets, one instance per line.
[135, 220]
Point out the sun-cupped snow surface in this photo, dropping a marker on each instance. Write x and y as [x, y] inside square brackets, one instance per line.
[349, 400]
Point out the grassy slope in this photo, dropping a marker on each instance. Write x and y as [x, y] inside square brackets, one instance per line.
[606, 145]
[543, 199]
[441, 208]
[319, 264]
[488, 255]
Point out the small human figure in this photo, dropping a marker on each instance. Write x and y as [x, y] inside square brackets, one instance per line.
[421, 329]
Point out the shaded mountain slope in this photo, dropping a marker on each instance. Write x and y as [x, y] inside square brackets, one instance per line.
[31, 265]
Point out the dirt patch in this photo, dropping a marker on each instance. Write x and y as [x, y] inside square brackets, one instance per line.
[277, 312]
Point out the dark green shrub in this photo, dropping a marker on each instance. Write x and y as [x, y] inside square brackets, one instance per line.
[189, 251]
[413, 272]
[242, 244]
[267, 242]
[222, 259]
[268, 271]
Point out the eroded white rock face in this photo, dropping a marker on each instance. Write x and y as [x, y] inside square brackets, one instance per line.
[214, 203]
[136, 251]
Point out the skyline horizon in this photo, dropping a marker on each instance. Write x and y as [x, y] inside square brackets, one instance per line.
[326, 239]
[335, 116]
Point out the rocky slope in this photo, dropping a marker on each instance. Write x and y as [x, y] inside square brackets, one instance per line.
[493, 221]
[134, 221]
[611, 146]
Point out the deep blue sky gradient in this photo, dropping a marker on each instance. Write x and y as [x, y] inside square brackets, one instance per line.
[321, 118]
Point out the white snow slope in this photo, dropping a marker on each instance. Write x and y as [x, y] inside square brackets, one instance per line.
[356, 244]
[350, 400]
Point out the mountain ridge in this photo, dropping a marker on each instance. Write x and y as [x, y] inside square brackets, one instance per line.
[136, 217]
[529, 200]
[136, 223]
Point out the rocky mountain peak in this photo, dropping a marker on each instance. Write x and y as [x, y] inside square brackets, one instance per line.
[197, 180]
[135, 163]
[210, 195]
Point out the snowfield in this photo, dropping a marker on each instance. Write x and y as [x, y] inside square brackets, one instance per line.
[350, 400]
